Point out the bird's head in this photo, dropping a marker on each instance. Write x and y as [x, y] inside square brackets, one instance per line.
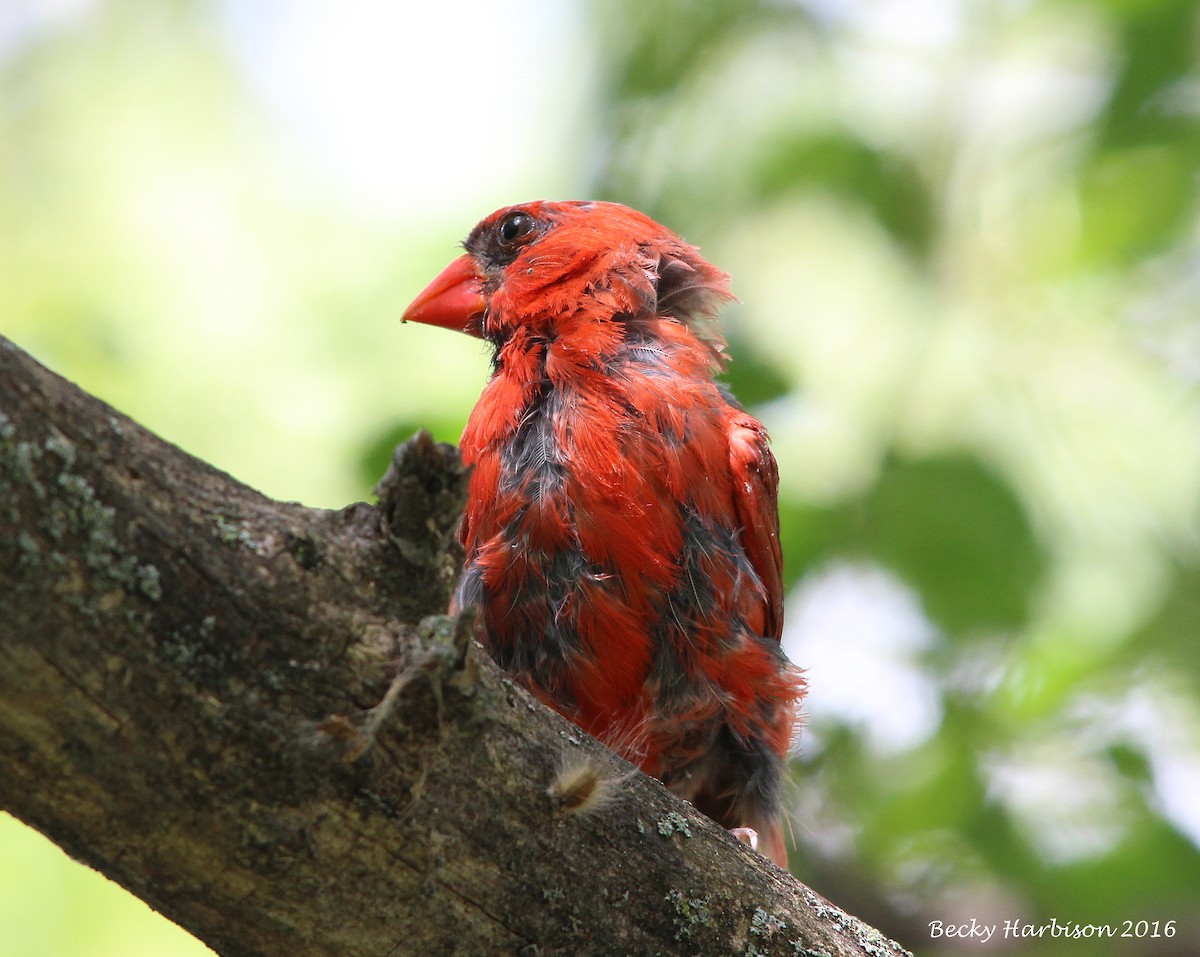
[542, 264]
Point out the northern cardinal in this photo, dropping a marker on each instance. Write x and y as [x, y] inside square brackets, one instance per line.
[621, 529]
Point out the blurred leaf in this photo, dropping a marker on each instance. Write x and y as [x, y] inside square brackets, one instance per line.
[955, 532]
[991, 834]
[886, 183]
[1174, 631]
[950, 798]
[754, 380]
[1131, 763]
[1123, 218]
[1157, 48]
[1152, 875]
[653, 48]
[811, 535]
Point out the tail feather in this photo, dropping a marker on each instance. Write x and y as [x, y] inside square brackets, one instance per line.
[771, 844]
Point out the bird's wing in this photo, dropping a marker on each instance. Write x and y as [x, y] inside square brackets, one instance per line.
[755, 497]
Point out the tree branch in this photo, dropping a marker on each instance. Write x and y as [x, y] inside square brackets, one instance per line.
[251, 715]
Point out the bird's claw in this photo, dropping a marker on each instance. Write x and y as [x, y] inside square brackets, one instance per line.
[747, 835]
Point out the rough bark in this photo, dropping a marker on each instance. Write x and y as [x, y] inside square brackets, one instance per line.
[250, 714]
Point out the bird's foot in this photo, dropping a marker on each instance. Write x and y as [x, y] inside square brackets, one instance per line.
[747, 835]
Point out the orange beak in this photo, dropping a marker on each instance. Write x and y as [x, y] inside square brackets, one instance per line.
[454, 300]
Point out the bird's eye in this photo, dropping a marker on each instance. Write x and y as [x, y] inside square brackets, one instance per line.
[513, 227]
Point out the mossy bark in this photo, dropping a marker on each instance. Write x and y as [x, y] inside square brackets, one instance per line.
[252, 715]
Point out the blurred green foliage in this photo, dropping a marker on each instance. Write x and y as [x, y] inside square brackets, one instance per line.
[966, 243]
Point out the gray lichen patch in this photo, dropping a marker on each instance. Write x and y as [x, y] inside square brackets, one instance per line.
[148, 583]
[74, 539]
[674, 823]
[765, 928]
[691, 913]
[231, 533]
[869, 939]
[60, 446]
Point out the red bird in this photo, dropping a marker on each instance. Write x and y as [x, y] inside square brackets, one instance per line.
[621, 527]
